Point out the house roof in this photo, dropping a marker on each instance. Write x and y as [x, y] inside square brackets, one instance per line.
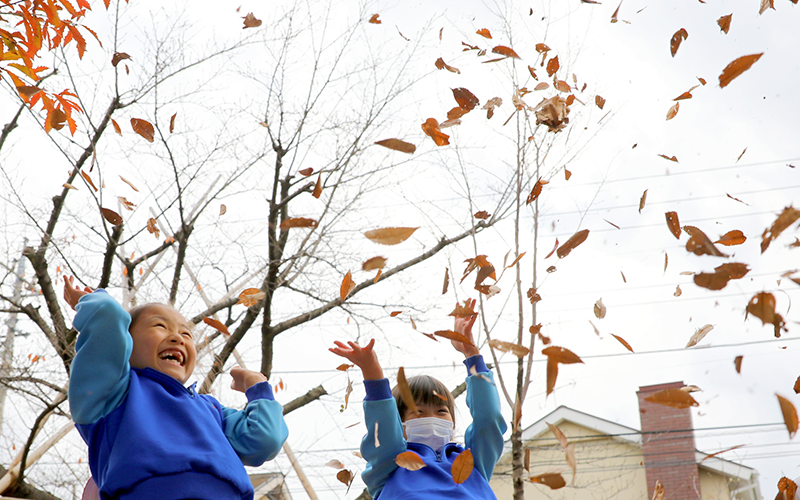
[628, 435]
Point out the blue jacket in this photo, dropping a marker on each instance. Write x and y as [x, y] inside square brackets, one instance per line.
[151, 437]
[484, 437]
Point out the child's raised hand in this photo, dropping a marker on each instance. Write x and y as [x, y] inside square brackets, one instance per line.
[72, 293]
[463, 325]
[244, 379]
[363, 357]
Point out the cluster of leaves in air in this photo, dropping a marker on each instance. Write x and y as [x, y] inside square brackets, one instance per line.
[42, 26]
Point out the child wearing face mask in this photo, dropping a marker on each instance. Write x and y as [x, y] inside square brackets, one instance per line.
[150, 436]
[393, 428]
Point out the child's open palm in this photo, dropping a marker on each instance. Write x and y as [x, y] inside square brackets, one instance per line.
[363, 357]
[72, 293]
[463, 325]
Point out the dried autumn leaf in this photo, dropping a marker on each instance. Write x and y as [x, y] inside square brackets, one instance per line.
[658, 492]
[463, 311]
[67, 185]
[409, 461]
[721, 275]
[446, 282]
[536, 191]
[699, 244]
[125, 203]
[451, 335]
[505, 51]
[251, 296]
[724, 23]
[642, 201]
[787, 489]
[673, 397]
[561, 355]
[335, 464]
[516, 349]
[397, 145]
[405, 391]
[111, 216]
[317, 192]
[345, 476]
[57, 119]
[390, 235]
[599, 309]
[559, 435]
[217, 325]
[152, 228]
[570, 245]
[673, 224]
[440, 64]
[373, 263]
[737, 363]
[623, 342]
[344, 367]
[494, 102]
[465, 99]
[673, 111]
[789, 415]
[432, 130]
[126, 181]
[784, 220]
[297, 222]
[144, 128]
[676, 40]
[600, 101]
[116, 126]
[484, 33]
[117, 57]
[552, 480]
[250, 21]
[395, 313]
[569, 456]
[670, 158]
[462, 466]
[736, 68]
[552, 112]
[542, 48]
[766, 4]
[762, 306]
[222, 209]
[306, 172]
[347, 286]
[172, 122]
[685, 95]
[542, 86]
[26, 91]
[482, 215]
[561, 86]
[552, 66]
[699, 334]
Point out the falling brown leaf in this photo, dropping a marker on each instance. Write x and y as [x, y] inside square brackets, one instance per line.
[673, 111]
[126, 181]
[347, 392]
[465, 99]
[250, 21]
[670, 158]
[409, 461]
[440, 64]
[623, 342]
[57, 119]
[685, 95]
[642, 201]
[676, 40]
[27, 91]
[658, 492]
[317, 192]
[390, 235]
[677, 292]
[559, 435]
[737, 363]
[725, 23]
[482, 215]
[251, 296]
[505, 51]
[533, 296]
[374, 19]
[117, 129]
[152, 228]
[345, 477]
[766, 4]
[494, 102]
[347, 286]
[673, 397]
[373, 263]
[451, 335]
[784, 220]
[731, 238]
[222, 209]
[567, 174]
[405, 391]
[736, 68]
[552, 66]
[88, 180]
[462, 466]
[673, 224]
[552, 480]
[484, 33]
[144, 128]
[344, 367]
[698, 335]
[599, 101]
[397, 145]
[432, 130]
[787, 489]
[699, 244]
[516, 349]
[789, 415]
[762, 306]
[616, 13]
[111, 216]
[446, 283]
[306, 172]
[527, 462]
[536, 191]
[67, 185]
[335, 464]
[117, 57]
[569, 245]
[541, 86]
[297, 222]
[562, 86]
[572, 460]
[172, 122]
[721, 275]
[599, 309]
[552, 112]
[217, 325]
[125, 203]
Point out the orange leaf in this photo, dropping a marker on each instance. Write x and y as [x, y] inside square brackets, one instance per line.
[787, 489]
[152, 228]
[552, 66]
[599, 101]
[56, 119]
[26, 91]
[484, 33]
[88, 180]
[463, 311]
[390, 235]
[673, 397]
[736, 68]
[725, 23]
[642, 201]
[462, 466]
[766, 4]
[561, 86]
[373, 263]
[515, 349]
[676, 40]
[561, 355]
[317, 187]
[482, 215]
[251, 296]
[374, 19]
[347, 286]
[542, 86]
[555, 246]
[559, 435]
[542, 48]
[721, 275]
[670, 158]
[116, 126]
[126, 181]
[685, 95]
[395, 313]
[344, 476]
[125, 203]
[737, 363]
[574, 240]
[623, 342]
[762, 306]
[465, 98]
[306, 172]
[117, 57]
[217, 325]
[344, 367]
[451, 335]
[172, 122]
[673, 111]
[446, 283]
[297, 222]
[409, 461]
[552, 480]
[397, 145]
[505, 51]
[440, 64]
[432, 130]
[699, 244]
[143, 128]
[111, 216]
[405, 391]
[250, 21]
[789, 415]
[673, 224]
[730, 238]
[536, 191]
[784, 220]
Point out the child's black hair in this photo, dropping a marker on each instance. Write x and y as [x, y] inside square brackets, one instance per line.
[138, 310]
[425, 390]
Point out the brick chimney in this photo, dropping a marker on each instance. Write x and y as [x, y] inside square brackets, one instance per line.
[668, 446]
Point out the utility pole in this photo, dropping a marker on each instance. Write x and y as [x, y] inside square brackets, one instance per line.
[7, 352]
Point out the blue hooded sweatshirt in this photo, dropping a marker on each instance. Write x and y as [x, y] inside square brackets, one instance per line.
[151, 437]
[484, 437]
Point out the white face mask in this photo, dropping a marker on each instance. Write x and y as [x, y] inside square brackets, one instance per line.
[433, 431]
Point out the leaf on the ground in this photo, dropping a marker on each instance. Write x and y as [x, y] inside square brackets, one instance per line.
[484, 33]
[317, 192]
[599, 309]
[397, 145]
[250, 21]
[737, 363]
[552, 480]
[440, 64]
[111, 216]
[374, 19]
[335, 464]
[736, 68]
[789, 415]
[552, 66]
[144, 128]
[432, 130]
[784, 220]
[570, 245]
[672, 111]
[699, 334]
[373, 263]
[699, 244]
[516, 349]
[217, 325]
[251, 296]
[623, 342]
[673, 397]
[731, 238]
[390, 235]
[465, 99]
[451, 335]
[505, 51]
[462, 466]
[345, 477]
[405, 391]
[294, 222]
[762, 306]
[725, 23]
[676, 40]
[347, 286]
[599, 101]
[409, 461]
[721, 275]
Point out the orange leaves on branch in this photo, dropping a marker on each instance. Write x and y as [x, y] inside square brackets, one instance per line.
[676, 40]
[673, 397]
[347, 286]
[721, 275]
[111, 216]
[409, 461]
[217, 325]
[552, 480]
[699, 244]
[573, 241]
[432, 130]
[762, 306]
[250, 21]
[251, 296]
[390, 235]
[297, 222]
[144, 128]
[784, 220]
[736, 68]
[724, 23]
[462, 466]
[789, 416]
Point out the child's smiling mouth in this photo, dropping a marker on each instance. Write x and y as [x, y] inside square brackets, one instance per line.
[173, 356]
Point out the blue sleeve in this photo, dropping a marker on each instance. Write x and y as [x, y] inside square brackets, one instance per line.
[100, 371]
[258, 432]
[384, 439]
[484, 435]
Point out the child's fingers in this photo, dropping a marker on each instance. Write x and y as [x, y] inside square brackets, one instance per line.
[370, 344]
